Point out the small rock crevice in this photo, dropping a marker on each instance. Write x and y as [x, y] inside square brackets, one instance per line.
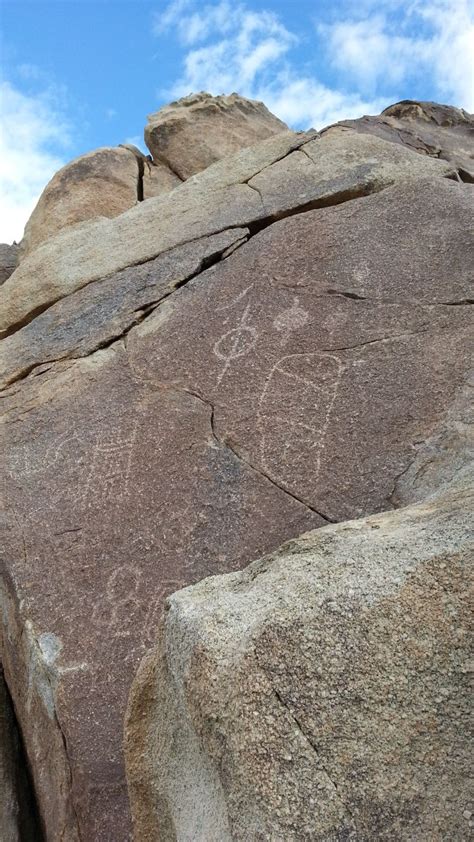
[352, 831]
[230, 446]
[15, 765]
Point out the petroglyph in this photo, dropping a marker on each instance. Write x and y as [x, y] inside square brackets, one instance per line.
[31, 460]
[294, 412]
[109, 472]
[118, 607]
[289, 320]
[239, 340]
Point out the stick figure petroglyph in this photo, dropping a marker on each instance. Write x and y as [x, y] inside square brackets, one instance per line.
[239, 340]
[130, 603]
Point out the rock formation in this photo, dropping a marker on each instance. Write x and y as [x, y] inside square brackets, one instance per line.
[276, 344]
[324, 693]
[431, 129]
[105, 182]
[198, 130]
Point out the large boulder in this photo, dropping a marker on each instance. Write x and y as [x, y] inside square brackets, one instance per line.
[321, 694]
[441, 131]
[105, 182]
[197, 130]
[211, 373]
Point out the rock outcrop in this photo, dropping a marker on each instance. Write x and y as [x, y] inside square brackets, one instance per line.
[8, 260]
[196, 131]
[441, 131]
[321, 694]
[103, 183]
[253, 188]
[278, 343]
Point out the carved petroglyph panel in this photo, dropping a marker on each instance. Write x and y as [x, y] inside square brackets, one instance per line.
[294, 412]
[97, 464]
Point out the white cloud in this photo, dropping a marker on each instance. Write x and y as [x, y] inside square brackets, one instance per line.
[232, 48]
[246, 44]
[305, 102]
[32, 129]
[426, 39]
[373, 47]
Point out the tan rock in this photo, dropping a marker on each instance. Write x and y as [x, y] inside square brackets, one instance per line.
[441, 131]
[100, 183]
[321, 694]
[194, 132]
[216, 199]
[158, 180]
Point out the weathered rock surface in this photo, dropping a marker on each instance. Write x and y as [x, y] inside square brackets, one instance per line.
[259, 183]
[215, 372]
[321, 694]
[8, 260]
[102, 183]
[98, 313]
[18, 819]
[441, 131]
[196, 131]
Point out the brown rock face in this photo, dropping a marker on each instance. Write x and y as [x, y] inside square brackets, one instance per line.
[194, 132]
[105, 182]
[322, 694]
[431, 129]
[215, 371]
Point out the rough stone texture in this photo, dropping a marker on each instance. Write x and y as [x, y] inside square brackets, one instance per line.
[158, 179]
[18, 820]
[441, 131]
[8, 260]
[293, 381]
[317, 357]
[198, 130]
[245, 189]
[322, 694]
[96, 314]
[118, 491]
[102, 183]
[335, 343]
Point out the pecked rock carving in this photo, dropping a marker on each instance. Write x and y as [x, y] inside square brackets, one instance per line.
[277, 344]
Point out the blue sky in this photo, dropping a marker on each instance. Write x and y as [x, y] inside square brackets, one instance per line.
[78, 74]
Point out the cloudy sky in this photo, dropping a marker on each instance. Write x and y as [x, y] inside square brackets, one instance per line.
[78, 74]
